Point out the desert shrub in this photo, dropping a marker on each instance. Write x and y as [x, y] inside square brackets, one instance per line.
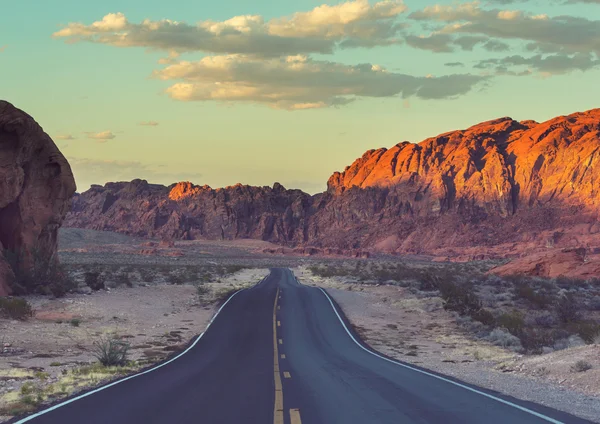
[223, 294]
[568, 342]
[175, 279]
[75, 322]
[484, 316]
[500, 337]
[567, 283]
[94, 280]
[43, 274]
[15, 308]
[567, 309]
[512, 321]
[202, 290]
[123, 279]
[459, 298]
[545, 319]
[526, 292]
[581, 366]
[535, 339]
[111, 352]
[587, 330]
[147, 275]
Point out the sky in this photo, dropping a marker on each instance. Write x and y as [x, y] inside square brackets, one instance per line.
[277, 90]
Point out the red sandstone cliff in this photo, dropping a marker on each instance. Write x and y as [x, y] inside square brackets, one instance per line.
[36, 187]
[500, 187]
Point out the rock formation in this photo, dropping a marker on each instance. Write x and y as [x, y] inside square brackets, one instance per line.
[499, 188]
[36, 187]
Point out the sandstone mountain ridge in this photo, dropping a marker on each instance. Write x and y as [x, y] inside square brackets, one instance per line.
[498, 188]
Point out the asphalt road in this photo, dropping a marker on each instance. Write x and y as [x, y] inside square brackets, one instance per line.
[282, 353]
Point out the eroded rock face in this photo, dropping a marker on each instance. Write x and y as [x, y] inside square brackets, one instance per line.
[36, 187]
[186, 211]
[499, 188]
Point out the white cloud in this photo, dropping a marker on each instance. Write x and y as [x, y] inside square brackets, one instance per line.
[65, 137]
[101, 136]
[565, 34]
[298, 82]
[149, 124]
[320, 30]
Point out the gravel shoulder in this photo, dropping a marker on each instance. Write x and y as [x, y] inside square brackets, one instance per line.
[419, 331]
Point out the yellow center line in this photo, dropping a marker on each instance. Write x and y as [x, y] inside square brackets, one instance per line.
[280, 341]
[295, 416]
[278, 407]
[278, 323]
[287, 374]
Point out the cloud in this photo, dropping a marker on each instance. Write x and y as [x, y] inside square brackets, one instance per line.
[148, 124]
[321, 30]
[65, 137]
[454, 64]
[89, 171]
[298, 82]
[437, 43]
[101, 136]
[559, 34]
[545, 65]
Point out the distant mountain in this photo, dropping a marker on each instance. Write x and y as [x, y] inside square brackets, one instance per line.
[500, 187]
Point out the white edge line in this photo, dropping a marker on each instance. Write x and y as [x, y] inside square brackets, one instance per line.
[45, 411]
[529, 411]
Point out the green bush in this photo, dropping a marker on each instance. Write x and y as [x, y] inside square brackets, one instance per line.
[111, 352]
[15, 308]
[512, 321]
[567, 309]
[526, 292]
[459, 298]
[75, 322]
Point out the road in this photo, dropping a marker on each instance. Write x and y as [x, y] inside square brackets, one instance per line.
[283, 353]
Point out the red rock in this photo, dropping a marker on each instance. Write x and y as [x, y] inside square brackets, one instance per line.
[499, 188]
[575, 263]
[36, 187]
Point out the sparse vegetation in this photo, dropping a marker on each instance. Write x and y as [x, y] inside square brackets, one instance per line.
[15, 308]
[522, 313]
[581, 366]
[37, 273]
[111, 351]
[94, 280]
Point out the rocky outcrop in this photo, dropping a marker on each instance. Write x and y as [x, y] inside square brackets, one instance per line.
[574, 263]
[495, 189]
[185, 211]
[36, 187]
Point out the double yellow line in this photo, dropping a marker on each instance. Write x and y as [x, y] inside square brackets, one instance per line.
[278, 409]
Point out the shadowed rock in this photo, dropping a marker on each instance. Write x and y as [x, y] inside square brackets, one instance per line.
[36, 187]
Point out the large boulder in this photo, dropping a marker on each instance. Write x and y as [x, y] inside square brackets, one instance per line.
[36, 187]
